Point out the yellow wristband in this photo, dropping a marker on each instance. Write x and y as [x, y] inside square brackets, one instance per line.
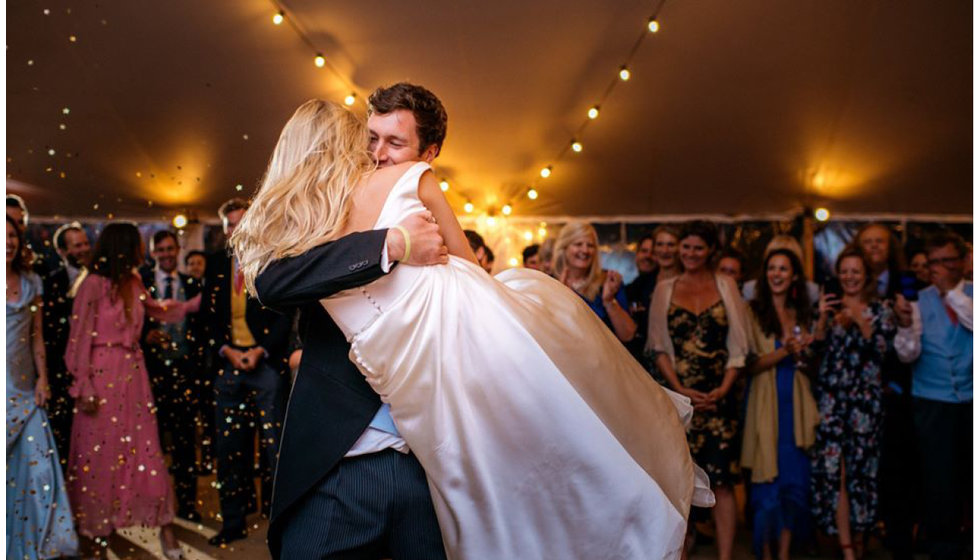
[408, 243]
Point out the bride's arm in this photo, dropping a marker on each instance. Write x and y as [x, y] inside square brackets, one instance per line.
[452, 233]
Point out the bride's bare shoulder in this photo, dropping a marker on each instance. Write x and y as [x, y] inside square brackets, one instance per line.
[388, 175]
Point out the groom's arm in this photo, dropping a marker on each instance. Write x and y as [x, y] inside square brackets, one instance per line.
[348, 262]
[351, 261]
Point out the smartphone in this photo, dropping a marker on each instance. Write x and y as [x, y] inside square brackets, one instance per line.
[909, 285]
[832, 287]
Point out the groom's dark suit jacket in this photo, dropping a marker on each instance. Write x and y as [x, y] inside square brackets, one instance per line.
[331, 403]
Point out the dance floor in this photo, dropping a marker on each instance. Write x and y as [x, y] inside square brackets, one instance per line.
[138, 543]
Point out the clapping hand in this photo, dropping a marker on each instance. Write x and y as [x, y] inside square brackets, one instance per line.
[611, 285]
[903, 311]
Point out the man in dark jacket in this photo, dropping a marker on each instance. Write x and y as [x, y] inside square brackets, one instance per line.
[174, 375]
[250, 344]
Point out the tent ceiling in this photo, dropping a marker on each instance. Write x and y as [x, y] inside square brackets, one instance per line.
[734, 107]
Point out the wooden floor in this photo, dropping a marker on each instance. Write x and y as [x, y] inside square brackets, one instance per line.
[144, 543]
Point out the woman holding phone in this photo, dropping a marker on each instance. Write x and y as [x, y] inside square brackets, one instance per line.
[855, 331]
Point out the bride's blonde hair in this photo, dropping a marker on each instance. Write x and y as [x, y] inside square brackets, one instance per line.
[305, 197]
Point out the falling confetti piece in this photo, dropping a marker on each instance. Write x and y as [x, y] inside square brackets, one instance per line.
[65, 111]
[238, 187]
[72, 38]
[62, 126]
[245, 136]
[30, 62]
[51, 152]
[47, 12]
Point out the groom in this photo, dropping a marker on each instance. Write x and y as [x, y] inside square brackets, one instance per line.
[347, 486]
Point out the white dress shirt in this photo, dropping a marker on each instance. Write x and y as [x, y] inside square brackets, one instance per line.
[908, 340]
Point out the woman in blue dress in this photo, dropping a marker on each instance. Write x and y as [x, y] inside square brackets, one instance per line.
[39, 520]
[576, 264]
[781, 414]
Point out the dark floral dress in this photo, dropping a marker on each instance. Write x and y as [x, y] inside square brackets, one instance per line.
[700, 353]
[848, 390]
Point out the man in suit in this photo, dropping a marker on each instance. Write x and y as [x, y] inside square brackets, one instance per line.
[347, 486]
[250, 344]
[898, 480]
[167, 348]
[73, 246]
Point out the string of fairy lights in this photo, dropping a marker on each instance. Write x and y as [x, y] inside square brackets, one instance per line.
[281, 15]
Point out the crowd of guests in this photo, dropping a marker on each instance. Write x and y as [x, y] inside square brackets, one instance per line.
[114, 364]
[833, 404]
[845, 408]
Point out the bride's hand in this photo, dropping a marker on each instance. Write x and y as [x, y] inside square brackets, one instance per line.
[427, 245]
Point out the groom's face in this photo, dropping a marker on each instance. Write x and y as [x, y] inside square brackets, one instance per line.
[395, 139]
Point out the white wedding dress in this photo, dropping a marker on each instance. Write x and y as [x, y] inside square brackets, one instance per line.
[540, 435]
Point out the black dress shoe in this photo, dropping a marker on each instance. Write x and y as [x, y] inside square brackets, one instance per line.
[189, 514]
[224, 537]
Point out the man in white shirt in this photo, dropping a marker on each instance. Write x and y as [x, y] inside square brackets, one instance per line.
[174, 374]
[936, 337]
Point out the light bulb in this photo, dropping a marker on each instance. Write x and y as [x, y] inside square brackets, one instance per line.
[506, 209]
[822, 214]
[491, 221]
[546, 172]
[319, 60]
[180, 221]
[349, 100]
[624, 73]
[277, 19]
[468, 207]
[528, 236]
[444, 185]
[653, 25]
[593, 112]
[576, 146]
[542, 233]
[512, 262]
[532, 193]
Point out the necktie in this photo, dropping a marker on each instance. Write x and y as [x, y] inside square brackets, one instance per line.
[168, 288]
[952, 314]
[238, 281]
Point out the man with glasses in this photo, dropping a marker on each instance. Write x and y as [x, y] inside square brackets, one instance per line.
[936, 337]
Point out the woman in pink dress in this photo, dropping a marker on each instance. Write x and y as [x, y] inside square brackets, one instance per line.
[117, 476]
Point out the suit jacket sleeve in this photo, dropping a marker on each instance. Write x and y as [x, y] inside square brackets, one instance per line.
[274, 334]
[351, 261]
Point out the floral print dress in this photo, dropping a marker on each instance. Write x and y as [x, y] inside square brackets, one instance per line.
[700, 354]
[848, 390]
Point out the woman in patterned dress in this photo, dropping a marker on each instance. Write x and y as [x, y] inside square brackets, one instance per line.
[698, 335]
[854, 331]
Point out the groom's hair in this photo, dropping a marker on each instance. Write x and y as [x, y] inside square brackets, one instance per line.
[430, 115]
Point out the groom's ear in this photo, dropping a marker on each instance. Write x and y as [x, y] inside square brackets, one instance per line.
[429, 153]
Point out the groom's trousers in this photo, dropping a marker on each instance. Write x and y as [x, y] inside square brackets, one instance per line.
[368, 507]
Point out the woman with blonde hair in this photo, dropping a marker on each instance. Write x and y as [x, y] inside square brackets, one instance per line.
[576, 265]
[519, 438]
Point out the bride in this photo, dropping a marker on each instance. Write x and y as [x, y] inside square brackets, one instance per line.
[539, 434]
